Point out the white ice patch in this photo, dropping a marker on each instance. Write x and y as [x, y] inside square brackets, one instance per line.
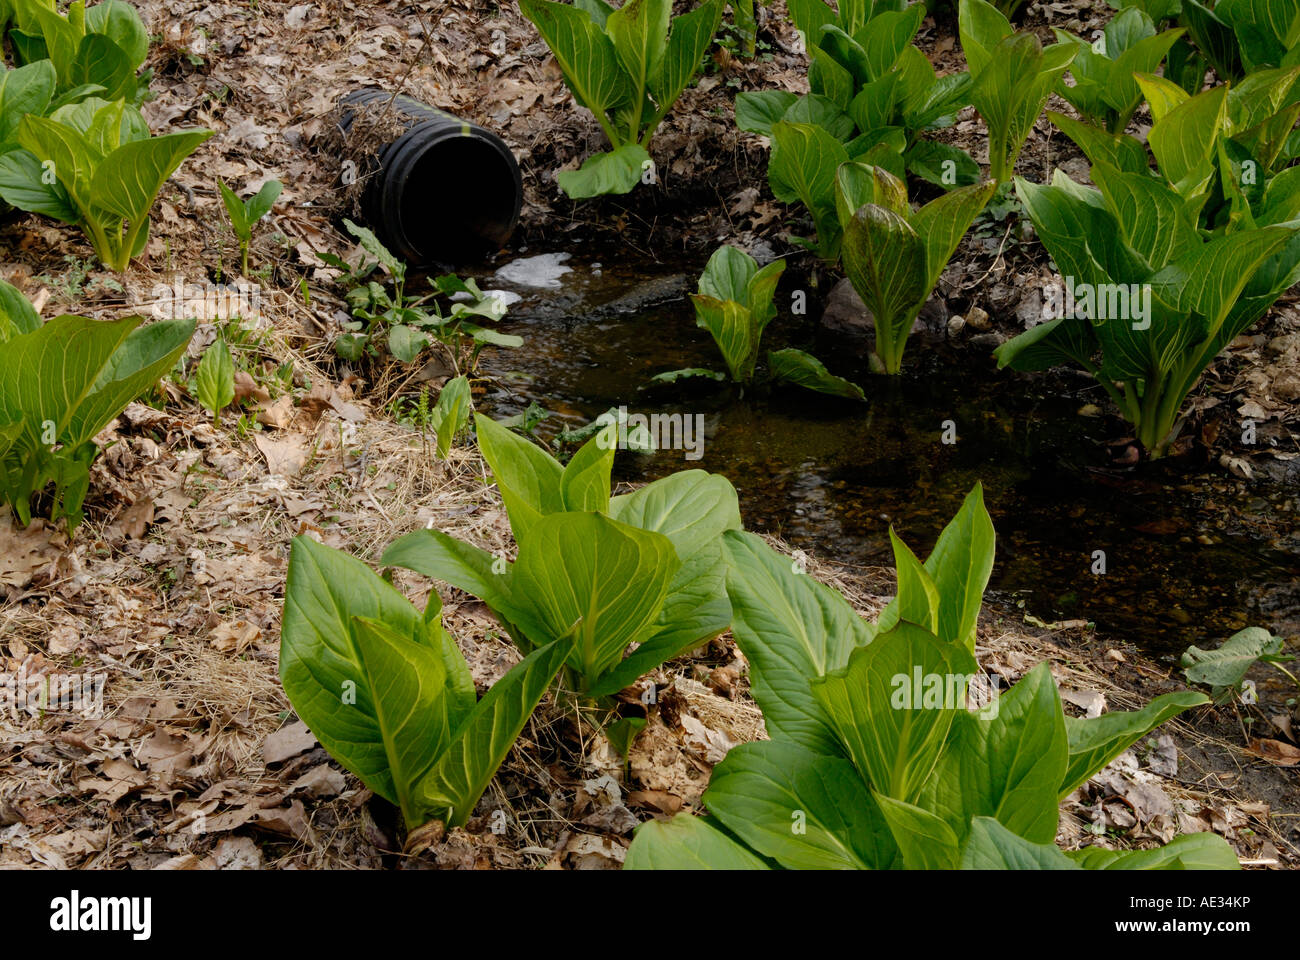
[543, 271]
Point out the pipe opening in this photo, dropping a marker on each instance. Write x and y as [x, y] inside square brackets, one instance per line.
[461, 193]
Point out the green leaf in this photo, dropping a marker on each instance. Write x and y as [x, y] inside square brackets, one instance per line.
[1196, 851]
[119, 22]
[23, 185]
[802, 168]
[791, 628]
[892, 705]
[259, 204]
[1183, 140]
[463, 565]
[406, 684]
[17, 316]
[959, 566]
[690, 37]
[617, 171]
[584, 483]
[733, 329]
[803, 810]
[236, 211]
[604, 580]
[691, 508]
[451, 413]
[686, 842]
[991, 846]
[925, 841]
[639, 30]
[1005, 762]
[805, 370]
[756, 111]
[130, 177]
[320, 668]
[584, 53]
[1096, 741]
[1224, 669]
[214, 381]
[527, 476]
[885, 261]
[23, 90]
[480, 744]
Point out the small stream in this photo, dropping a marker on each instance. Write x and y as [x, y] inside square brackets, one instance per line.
[1188, 558]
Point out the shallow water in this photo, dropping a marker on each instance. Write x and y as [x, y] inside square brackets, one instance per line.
[1187, 558]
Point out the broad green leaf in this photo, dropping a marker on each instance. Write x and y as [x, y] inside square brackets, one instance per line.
[480, 744]
[584, 53]
[727, 274]
[981, 27]
[892, 705]
[120, 23]
[942, 223]
[756, 111]
[584, 482]
[617, 171]
[1005, 762]
[733, 329]
[925, 841]
[802, 169]
[689, 38]
[406, 683]
[791, 628]
[319, 664]
[1196, 851]
[691, 508]
[687, 842]
[1224, 668]
[1096, 741]
[147, 354]
[885, 261]
[17, 315]
[527, 476]
[1183, 140]
[695, 611]
[102, 62]
[129, 179]
[24, 90]
[1109, 149]
[465, 566]
[803, 810]
[639, 29]
[991, 846]
[821, 112]
[23, 185]
[605, 581]
[451, 413]
[805, 370]
[406, 343]
[214, 380]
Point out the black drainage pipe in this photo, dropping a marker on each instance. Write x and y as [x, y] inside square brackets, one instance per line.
[445, 191]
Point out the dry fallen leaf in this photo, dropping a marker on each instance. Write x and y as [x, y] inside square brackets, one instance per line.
[1275, 752]
[288, 742]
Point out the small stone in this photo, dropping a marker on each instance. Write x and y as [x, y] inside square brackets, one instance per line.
[978, 319]
[991, 340]
[956, 324]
